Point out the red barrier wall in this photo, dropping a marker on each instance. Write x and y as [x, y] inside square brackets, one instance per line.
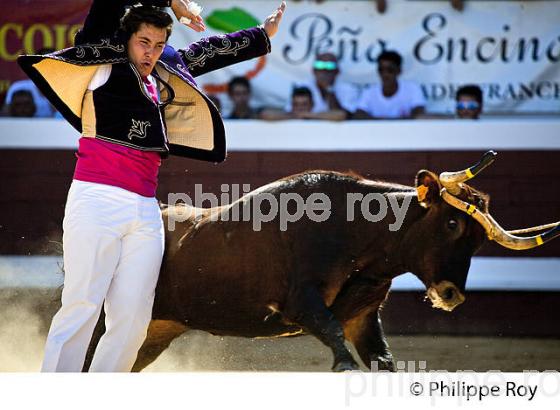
[523, 186]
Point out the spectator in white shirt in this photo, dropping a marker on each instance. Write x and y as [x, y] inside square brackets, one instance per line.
[329, 93]
[393, 98]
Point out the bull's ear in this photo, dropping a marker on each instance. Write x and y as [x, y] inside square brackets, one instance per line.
[427, 187]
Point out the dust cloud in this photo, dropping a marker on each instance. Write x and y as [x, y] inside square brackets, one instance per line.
[201, 351]
[25, 316]
[22, 330]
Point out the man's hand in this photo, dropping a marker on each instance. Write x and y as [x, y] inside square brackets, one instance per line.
[272, 22]
[181, 9]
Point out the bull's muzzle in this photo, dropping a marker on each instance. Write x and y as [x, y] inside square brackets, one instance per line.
[445, 295]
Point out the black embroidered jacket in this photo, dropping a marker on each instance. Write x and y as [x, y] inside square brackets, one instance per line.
[185, 124]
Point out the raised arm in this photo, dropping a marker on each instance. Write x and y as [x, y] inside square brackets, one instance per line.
[213, 53]
[216, 52]
[103, 18]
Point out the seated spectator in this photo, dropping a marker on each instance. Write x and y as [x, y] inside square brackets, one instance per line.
[43, 107]
[468, 102]
[327, 91]
[302, 109]
[302, 102]
[239, 91]
[393, 98]
[22, 104]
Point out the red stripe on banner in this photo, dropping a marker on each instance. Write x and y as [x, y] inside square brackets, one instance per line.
[30, 26]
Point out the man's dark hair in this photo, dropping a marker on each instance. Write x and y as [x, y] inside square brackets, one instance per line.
[392, 56]
[297, 91]
[238, 81]
[134, 16]
[472, 91]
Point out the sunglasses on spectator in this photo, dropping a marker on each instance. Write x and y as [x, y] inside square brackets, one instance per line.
[325, 65]
[467, 105]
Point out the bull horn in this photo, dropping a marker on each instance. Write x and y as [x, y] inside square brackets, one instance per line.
[535, 228]
[451, 180]
[496, 233]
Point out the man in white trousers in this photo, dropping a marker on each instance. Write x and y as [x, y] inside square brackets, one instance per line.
[122, 104]
[113, 244]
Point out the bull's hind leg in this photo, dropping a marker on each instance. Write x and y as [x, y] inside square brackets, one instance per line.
[96, 336]
[306, 308]
[160, 335]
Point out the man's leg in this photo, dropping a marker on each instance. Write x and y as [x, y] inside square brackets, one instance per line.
[91, 253]
[129, 301]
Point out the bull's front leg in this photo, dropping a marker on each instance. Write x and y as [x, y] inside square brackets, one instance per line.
[357, 308]
[366, 334]
[306, 308]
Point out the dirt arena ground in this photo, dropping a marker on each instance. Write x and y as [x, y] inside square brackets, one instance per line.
[25, 316]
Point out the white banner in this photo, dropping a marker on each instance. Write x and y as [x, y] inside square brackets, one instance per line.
[510, 48]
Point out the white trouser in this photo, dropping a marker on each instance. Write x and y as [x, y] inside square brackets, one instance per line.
[113, 243]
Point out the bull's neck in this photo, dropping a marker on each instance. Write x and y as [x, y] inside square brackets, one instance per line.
[380, 250]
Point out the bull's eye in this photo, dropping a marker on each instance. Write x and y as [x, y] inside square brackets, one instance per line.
[452, 224]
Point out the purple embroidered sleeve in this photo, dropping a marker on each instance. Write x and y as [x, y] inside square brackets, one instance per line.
[213, 53]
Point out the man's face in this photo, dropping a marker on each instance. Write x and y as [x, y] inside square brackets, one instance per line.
[240, 95]
[468, 108]
[301, 104]
[145, 47]
[388, 71]
[325, 74]
[22, 105]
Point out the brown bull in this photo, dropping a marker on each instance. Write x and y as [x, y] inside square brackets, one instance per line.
[324, 278]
